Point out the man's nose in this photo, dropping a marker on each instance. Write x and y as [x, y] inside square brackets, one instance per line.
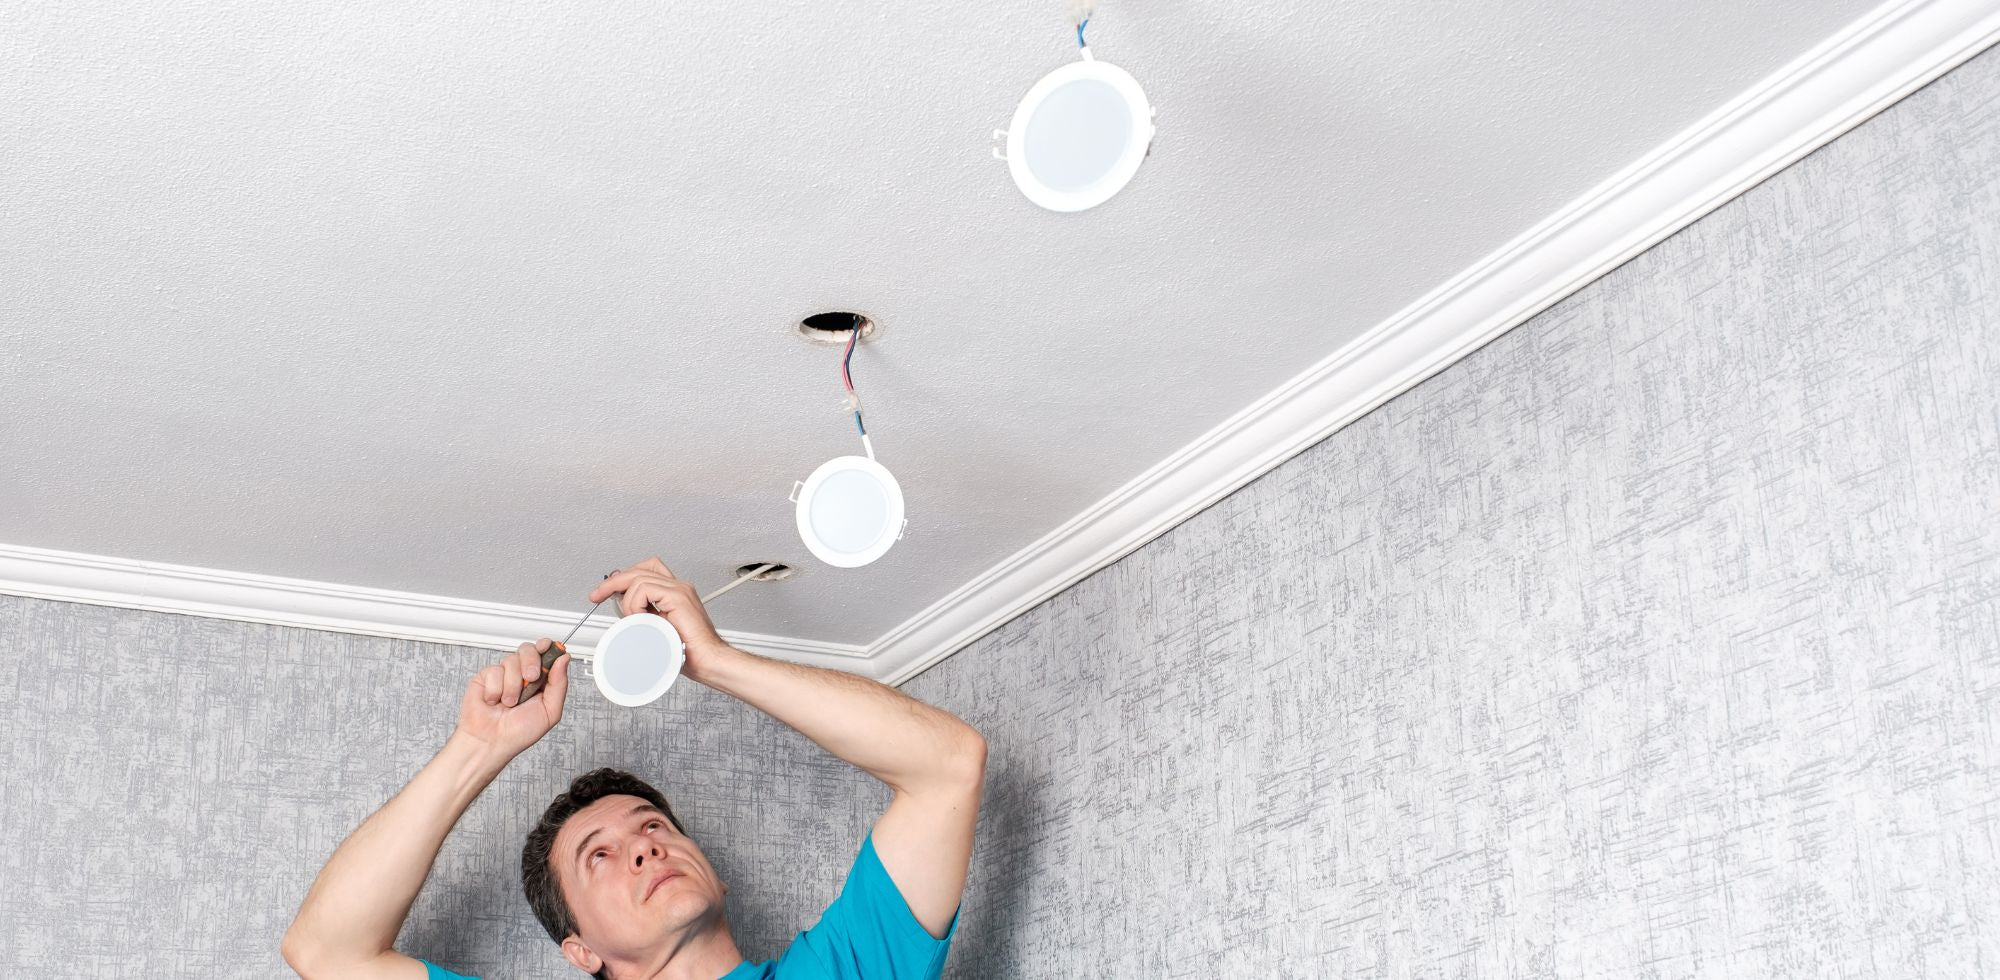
[647, 849]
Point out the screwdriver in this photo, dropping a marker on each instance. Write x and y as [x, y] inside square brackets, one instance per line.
[530, 688]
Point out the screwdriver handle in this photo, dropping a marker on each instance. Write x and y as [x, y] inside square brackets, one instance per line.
[529, 688]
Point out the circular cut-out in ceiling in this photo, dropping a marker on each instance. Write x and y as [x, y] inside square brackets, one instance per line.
[835, 327]
[776, 572]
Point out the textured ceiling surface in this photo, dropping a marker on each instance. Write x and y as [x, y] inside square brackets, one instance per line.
[485, 300]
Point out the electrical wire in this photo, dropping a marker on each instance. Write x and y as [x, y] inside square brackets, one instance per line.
[1079, 13]
[740, 579]
[847, 378]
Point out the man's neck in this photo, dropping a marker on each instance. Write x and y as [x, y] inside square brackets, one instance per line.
[704, 955]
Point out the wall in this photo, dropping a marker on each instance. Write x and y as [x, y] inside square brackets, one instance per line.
[174, 784]
[1659, 638]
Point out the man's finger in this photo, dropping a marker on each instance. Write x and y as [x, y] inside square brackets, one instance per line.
[660, 595]
[634, 585]
[489, 684]
[621, 580]
[510, 683]
[634, 599]
[524, 655]
[617, 582]
[639, 595]
[557, 691]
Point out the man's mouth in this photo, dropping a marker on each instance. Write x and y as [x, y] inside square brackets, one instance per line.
[661, 880]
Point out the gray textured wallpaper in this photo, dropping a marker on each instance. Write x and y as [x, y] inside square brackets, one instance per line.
[1659, 638]
[174, 784]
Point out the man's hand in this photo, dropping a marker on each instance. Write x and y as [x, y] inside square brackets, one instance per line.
[650, 586]
[356, 906]
[492, 712]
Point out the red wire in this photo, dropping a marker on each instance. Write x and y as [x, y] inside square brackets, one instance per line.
[846, 378]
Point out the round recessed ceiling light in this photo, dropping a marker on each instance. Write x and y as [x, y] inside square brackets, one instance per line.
[637, 659]
[1079, 135]
[850, 511]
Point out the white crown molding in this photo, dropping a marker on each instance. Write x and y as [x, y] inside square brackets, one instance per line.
[1875, 61]
[70, 577]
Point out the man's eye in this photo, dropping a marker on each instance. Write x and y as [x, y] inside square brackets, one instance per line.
[650, 826]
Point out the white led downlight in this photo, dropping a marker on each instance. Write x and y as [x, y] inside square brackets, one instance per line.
[1079, 135]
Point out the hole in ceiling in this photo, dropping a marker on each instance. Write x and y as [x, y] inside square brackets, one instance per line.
[778, 572]
[834, 327]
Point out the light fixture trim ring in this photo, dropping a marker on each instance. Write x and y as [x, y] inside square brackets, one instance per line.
[892, 522]
[676, 659]
[1120, 173]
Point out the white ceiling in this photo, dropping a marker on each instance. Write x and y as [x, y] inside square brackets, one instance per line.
[485, 300]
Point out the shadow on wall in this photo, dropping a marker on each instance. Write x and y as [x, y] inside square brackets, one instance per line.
[1006, 848]
[761, 920]
[445, 938]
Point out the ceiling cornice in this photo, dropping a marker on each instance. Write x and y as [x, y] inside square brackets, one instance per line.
[158, 587]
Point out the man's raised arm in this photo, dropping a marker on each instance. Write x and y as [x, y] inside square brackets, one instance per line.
[935, 763]
[350, 917]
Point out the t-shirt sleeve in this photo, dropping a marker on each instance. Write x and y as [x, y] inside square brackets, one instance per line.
[870, 932]
[436, 972]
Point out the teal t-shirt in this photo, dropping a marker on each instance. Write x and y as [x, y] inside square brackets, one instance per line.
[868, 932]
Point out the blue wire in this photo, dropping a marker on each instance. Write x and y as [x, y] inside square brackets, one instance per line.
[848, 371]
[1079, 32]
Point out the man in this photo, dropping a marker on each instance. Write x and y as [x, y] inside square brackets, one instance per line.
[609, 872]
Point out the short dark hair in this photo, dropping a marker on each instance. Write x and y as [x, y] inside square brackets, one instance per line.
[538, 879]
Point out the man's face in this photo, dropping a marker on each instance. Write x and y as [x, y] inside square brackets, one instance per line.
[634, 883]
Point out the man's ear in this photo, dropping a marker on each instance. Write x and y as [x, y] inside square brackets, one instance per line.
[580, 955]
